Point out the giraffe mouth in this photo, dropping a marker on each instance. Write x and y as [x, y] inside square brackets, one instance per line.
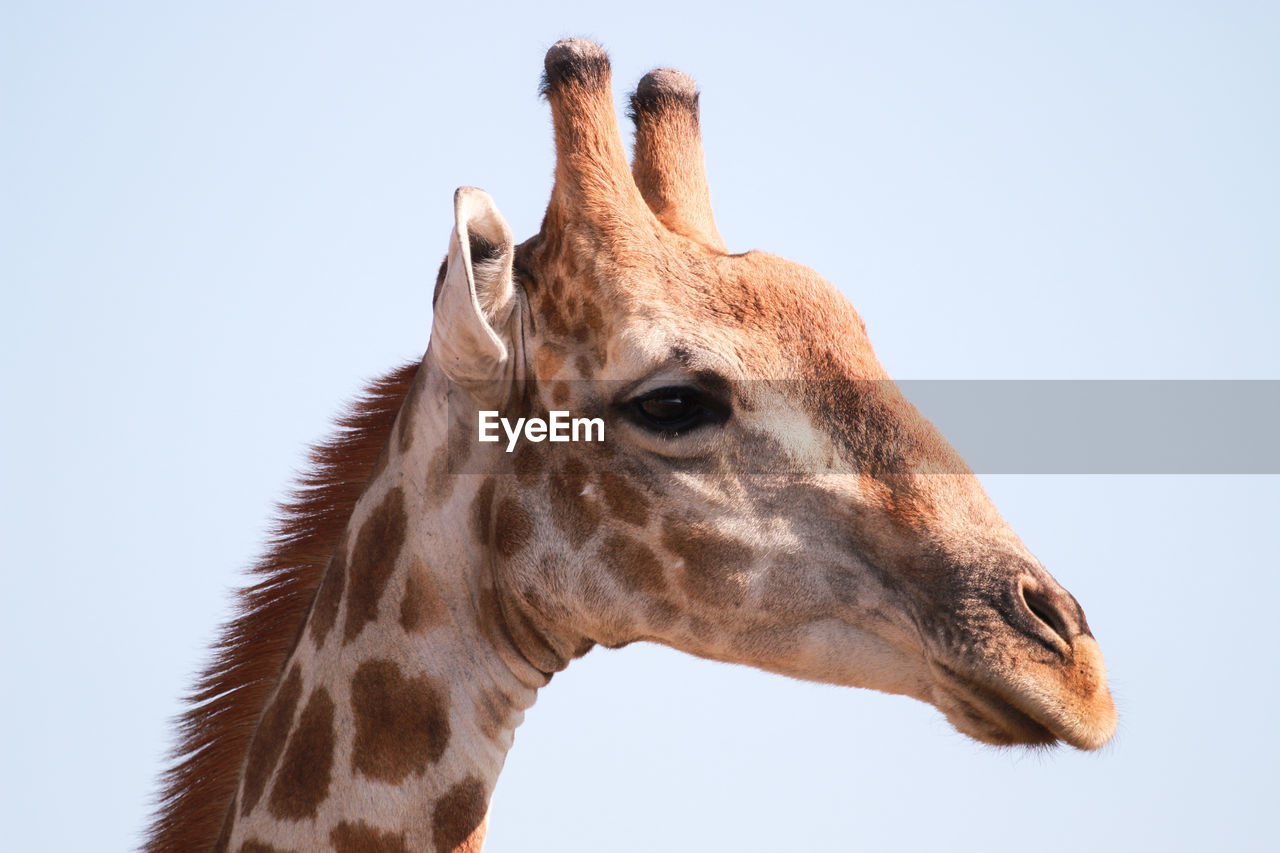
[986, 714]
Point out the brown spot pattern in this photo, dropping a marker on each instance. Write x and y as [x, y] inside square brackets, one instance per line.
[709, 558]
[572, 512]
[402, 724]
[270, 739]
[440, 478]
[580, 332]
[421, 606]
[592, 318]
[457, 816]
[528, 463]
[554, 319]
[380, 464]
[408, 413]
[329, 597]
[560, 393]
[514, 528]
[460, 443]
[253, 846]
[493, 710]
[633, 564]
[598, 332]
[482, 512]
[661, 615]
[303, 780]
[219, 724]
[360, 837]
[548, 360]
[490, 616]
[372, 561]
[625, 501]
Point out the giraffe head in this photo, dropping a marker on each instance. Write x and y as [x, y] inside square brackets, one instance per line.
[764, 495]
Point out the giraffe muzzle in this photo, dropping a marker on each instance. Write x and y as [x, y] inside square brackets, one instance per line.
[1035, 677]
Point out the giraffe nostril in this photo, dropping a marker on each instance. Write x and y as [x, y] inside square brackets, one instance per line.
[1046, 610]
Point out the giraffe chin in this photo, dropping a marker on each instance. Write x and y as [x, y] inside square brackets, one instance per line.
[1021, 712]
[986, 716]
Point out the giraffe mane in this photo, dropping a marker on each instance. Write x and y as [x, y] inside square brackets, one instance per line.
[223, 709]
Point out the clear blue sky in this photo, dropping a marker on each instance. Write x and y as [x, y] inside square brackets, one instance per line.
[217, 220]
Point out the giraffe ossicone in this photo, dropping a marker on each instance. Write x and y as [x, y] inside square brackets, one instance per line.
[765, 496]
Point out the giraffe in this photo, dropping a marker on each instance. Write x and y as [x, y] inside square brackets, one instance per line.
[765, 496]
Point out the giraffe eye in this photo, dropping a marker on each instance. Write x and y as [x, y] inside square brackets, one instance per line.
[675, 411]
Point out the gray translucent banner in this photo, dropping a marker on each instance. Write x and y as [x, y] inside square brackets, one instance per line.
[998, 426]
[1107, 426]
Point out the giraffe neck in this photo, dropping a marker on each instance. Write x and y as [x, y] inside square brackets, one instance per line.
[396, 709]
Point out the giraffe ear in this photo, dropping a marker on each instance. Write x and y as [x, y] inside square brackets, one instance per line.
[475, 324]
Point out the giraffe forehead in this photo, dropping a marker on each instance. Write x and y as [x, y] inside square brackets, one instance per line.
[754, 316]
[791, 322]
